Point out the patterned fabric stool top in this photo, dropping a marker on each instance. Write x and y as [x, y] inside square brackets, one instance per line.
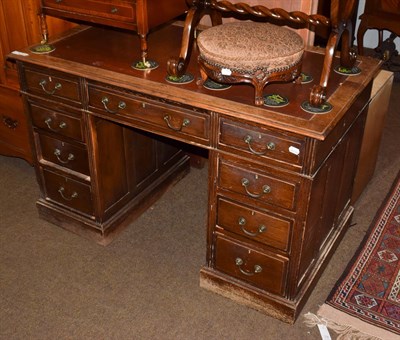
[250, 46]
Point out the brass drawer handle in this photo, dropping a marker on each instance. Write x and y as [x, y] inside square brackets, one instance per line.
[270, 146]
[114, 10]
[57, 153]
[43, 83]
[266, 189]
[61, 191]
[10, 123]
[257, 268]
[185, 123]
[48, 121]
[121, 105]
[242, 222]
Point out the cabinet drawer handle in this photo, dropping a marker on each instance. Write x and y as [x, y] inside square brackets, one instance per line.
[121, 105]
[57, 86]
[185, 123]
[269, 146]
[257, 268]
[61, 191]
[10, 123]
[57, 153]
[114, 10]
[266, 189]
[242, 222]
[48, 121]
[59, 1]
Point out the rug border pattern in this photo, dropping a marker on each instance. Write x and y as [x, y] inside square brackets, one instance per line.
[337, 297]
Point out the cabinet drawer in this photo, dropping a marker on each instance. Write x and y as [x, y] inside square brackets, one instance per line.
[170, 120]
[63, 124]
[115, 10]
[262, 270]
[53, 85]
[68, 192]
[253, 224]
[14, 130]
[260, 143]
[257, 185]
[64, 154]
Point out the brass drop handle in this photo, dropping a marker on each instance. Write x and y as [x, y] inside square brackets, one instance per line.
[266, 189]
[114, 10]
[121, 105]
[57, 153]
[257, 268]
[61, 191]
[43, 83]
[10, 123]
[48, 121]
[242, 222]
[269, 146]
[185, 123]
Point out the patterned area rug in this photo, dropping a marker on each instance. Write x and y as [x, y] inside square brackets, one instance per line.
[366, 300]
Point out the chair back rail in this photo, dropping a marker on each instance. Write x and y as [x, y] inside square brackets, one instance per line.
[261, 11]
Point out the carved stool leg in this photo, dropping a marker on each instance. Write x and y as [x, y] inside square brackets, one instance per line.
[203, 77]
[258, 93]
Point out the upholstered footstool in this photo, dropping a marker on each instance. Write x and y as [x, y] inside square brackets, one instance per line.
[250, 52]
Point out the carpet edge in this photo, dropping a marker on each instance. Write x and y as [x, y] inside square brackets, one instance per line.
[345, 324]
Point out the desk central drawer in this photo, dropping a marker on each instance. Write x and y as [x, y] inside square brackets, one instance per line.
[174, 121]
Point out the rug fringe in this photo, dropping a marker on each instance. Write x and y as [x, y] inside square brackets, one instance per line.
[344, 332]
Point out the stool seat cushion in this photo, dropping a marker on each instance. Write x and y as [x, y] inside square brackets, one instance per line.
[250, 46]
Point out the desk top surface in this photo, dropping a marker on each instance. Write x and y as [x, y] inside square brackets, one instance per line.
[106, 55]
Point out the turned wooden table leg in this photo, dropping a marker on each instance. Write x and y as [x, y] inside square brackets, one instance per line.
[143, 47]
[44, 29]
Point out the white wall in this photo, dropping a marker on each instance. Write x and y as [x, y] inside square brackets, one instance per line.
[371, 35]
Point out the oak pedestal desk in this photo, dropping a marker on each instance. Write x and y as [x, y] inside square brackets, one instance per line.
[108, 139]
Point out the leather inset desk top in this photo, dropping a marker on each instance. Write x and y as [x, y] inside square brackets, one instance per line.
[100, 53]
